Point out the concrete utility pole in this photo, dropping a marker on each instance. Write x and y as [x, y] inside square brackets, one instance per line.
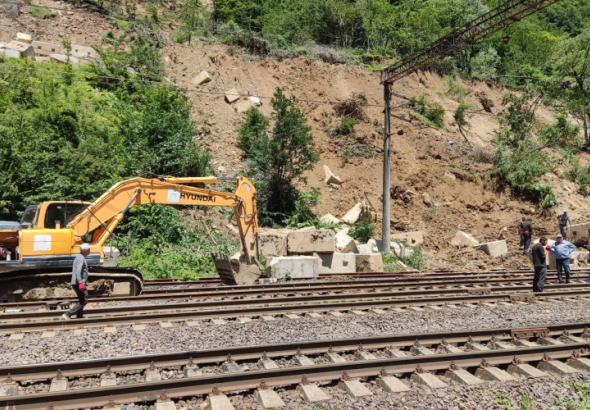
[385, 237]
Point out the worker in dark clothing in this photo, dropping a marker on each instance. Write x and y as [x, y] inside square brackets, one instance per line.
[563, 220]
[539, 254]
[527, 233]
[521, 231]
[79, 281]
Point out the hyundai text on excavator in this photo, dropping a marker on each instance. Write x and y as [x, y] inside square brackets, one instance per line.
[36, 254]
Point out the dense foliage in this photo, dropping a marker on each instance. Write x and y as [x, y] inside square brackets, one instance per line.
[277, 160]
[72, 132]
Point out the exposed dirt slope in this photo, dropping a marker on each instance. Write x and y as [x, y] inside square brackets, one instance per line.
[425, 160]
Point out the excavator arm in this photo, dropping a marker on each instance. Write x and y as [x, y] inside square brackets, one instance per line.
[103, 216]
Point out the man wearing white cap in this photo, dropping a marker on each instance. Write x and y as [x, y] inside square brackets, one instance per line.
[79, 279]
[563, 220]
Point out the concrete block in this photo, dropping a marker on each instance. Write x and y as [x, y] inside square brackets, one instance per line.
[329, 219]
[192, 323]
[428, 380]
[578, 233]
[267, 318]
[354, 214]
[152, 375]
[202, 78]
[269, 364]
[269, 399]
[58, 384]
[464, 240]
[165, 405]
[219, 321]
[8, 389]
[294, 267]
[49, 334]
[79, 332]
[273, 242]
[292, 316]
[45, 49]
[548, 341]
[493, 374]
[312, 393]
[337, 262]
[524, 343]
[478, 347]
[372, 245]
[110, 329]
[379, 311]
[16, 49]
[219, 402]
[581, 363]
[231, 367]
[309, 241]
[255, 100]
[396, 353]
[314, 315]
[336, 314]
[369, 262]
[16, 337]
[354, 388]
[412, 238]
[419, 350]
[84, 52]
[232, 95]
[335, 358]
[62, 58]
[302, 360]
[331, 178]
[108, 380]
[345, 243]
[192, 371]
[364, 355]
[24, 38]
[494, 249]
[525, 370]
[166, 325]
[462, 376]
[392, 384]
[556, 367]
[243, 105]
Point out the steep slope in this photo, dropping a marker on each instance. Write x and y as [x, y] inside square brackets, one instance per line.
[436, 163]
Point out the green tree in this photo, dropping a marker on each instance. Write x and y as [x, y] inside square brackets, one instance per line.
[572, 63]
[278, 161]
[192, 15]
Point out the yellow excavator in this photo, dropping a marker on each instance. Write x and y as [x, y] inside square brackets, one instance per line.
[36, 254]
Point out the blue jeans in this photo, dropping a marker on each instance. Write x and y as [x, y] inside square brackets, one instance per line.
[563, 264]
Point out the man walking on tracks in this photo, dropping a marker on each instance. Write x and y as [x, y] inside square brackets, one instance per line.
[563, 220]
[562, 250]
[539, 254]
[79, 279]
[521, 231]
[527, 233]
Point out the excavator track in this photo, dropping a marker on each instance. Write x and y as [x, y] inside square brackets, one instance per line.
[42, 283]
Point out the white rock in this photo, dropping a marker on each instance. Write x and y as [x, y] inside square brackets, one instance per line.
[23, 38]
[202, 78]
[331, 178]
[494, 249]
[354, 214]
[294, 267]
[232, 95]
[345, 243]
[464, 240]
[329, 219]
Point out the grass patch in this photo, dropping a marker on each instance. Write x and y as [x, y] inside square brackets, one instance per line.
[41, 12]
[417, 260]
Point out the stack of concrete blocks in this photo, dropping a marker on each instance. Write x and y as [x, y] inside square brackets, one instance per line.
[24, 47]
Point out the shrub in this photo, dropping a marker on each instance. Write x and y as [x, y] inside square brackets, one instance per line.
[416, 260]
[456, 90]
[431, 113]
[252, 129]
[484, 65]
[41, 12]
[460, 115]
[345, 128]
[353, 107]
[303, 215]
[363, 231]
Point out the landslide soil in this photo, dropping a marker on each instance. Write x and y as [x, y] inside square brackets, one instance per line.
[434, 163]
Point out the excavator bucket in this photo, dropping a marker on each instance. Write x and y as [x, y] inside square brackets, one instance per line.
[234, 272]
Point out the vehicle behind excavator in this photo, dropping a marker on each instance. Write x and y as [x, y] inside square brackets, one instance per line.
[36, 253]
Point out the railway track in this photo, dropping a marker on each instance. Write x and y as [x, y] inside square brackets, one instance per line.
[270, 308]
[287, 289]
[433, 359]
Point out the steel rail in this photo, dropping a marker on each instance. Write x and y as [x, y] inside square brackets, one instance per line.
[221, 304]
[44, 371]
[192, 293]
[190, 387]
[256, 311]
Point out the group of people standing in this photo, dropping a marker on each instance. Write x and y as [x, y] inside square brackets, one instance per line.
[561, 249]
